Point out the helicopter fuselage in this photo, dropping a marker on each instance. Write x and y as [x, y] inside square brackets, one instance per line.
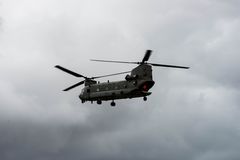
[135, 85]
[116, 90]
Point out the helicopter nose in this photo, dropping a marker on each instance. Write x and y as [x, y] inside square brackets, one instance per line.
[80, 97]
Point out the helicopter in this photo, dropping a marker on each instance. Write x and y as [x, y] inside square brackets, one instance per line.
[136, 84]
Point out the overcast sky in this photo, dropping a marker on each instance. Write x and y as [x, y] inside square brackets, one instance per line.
[191, 114]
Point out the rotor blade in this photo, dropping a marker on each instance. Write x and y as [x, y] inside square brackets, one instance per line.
[113, 61]
[69, 72]
[110, 75]
[171, 66]
[147, 56]
[73, 86]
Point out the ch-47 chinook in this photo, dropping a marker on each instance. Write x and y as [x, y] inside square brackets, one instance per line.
[137, 84]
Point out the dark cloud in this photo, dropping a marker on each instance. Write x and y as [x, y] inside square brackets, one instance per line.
[190, 115]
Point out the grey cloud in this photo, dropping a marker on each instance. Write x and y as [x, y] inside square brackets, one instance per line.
[190, 115]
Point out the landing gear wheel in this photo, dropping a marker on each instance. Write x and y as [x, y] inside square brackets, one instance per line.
[145, 98]
[83, 101]
[99, 102]
[113, 104]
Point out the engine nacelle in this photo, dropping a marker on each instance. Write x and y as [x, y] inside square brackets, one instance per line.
[131, 78]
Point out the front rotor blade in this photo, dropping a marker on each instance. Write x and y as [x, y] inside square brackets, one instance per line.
[69, 72]
[170, 66]
[113, 61]
[73, 86]
[147, 56]
[110, 75]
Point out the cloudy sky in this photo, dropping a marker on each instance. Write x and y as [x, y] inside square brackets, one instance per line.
[191, 115]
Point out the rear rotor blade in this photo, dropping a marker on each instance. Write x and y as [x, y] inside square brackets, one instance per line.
[73, 86]
[113, 61]
[147, 56]
[110, 75]
[170, 66]
[69, 72]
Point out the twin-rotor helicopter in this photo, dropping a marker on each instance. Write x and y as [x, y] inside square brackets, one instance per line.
[136, 84]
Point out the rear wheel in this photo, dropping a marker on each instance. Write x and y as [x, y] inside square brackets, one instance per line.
[145, 98]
